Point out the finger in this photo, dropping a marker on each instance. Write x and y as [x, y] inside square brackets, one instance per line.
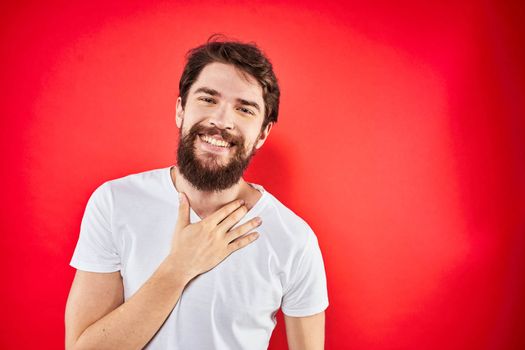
[242, 242]
[243, 229]
[223, 212]
[184, 212]
[232, 219]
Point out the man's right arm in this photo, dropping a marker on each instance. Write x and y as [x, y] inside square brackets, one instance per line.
[97, 316]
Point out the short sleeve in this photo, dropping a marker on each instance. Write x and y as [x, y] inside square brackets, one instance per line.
[306, 293]
[95, 250]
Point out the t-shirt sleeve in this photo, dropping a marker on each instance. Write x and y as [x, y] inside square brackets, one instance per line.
[306, 293]
[95, 250]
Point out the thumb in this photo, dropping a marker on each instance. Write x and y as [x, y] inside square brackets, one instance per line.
[184, 212]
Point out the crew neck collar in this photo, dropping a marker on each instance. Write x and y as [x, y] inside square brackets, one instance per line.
[254, 211]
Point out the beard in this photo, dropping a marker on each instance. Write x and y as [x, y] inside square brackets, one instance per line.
[206, 173]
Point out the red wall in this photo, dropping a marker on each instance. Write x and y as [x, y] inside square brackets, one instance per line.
[401, 142]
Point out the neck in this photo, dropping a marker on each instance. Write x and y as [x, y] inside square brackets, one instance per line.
[206, 203]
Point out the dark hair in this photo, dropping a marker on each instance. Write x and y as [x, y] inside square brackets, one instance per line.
[245, 56]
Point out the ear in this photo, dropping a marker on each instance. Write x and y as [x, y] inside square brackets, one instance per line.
[264, 135]
[179, 113]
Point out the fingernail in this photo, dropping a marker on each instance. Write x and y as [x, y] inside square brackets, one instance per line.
[242, 201]
[258, 220]
[180, 197]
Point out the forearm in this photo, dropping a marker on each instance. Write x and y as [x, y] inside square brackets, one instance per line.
[133, 323]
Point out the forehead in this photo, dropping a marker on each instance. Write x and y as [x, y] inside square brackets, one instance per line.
[229, 81]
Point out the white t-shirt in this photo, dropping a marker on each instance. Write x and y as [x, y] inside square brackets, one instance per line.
[128, 226]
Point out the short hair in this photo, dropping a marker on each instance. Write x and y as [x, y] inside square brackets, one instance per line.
[245, 56]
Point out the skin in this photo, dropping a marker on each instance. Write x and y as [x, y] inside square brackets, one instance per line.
[97, 316]
[224, 112]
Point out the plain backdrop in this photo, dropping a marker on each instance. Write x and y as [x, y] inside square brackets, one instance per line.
[401, 141]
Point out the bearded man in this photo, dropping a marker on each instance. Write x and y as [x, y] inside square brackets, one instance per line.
[170, 259]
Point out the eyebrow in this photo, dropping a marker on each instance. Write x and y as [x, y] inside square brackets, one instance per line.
[214, 92]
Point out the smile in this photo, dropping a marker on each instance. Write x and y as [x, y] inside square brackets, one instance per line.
[215, 142]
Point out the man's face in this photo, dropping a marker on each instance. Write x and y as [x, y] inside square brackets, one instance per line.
[220, 127]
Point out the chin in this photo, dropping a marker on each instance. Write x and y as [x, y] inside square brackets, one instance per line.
[212, 161]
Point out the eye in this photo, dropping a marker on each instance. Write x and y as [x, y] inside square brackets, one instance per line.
[206, 99]
[246, 110]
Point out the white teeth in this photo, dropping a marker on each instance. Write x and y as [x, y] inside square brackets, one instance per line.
[215, 142]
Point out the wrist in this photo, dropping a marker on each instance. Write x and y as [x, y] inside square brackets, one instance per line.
[175, 270]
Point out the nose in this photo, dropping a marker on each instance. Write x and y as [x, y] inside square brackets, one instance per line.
[222, 118]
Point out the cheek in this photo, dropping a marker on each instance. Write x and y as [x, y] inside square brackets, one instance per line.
[250, 136]
[193, 112]
[188, 122]
[254, 140]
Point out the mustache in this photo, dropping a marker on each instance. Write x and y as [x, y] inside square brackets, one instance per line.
[206, 174]
[197, 130]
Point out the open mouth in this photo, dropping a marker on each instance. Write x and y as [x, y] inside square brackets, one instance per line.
[215, 142]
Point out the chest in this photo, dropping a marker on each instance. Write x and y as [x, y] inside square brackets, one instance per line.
[248, 280]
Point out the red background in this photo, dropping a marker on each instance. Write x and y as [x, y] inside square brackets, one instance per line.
[400, 140]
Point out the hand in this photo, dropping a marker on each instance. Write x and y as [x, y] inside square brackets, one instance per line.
[199, 247]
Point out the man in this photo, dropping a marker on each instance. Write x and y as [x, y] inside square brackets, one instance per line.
[212, 282]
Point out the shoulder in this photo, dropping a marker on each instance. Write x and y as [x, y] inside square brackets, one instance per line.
[286, 216]
[121, 192]
[143, 178]
[288, 228]
[146, 181]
